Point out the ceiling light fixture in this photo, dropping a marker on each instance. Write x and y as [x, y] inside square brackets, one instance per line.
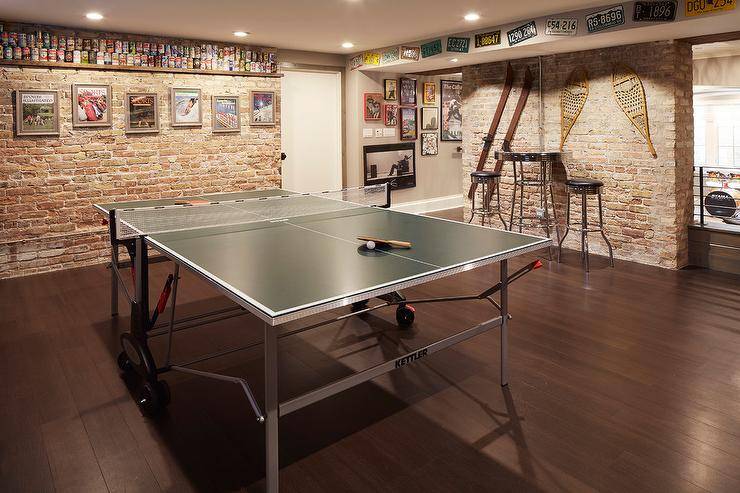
[240, 34]
[453, 60]
[471, 17]
[94, 16]
[347, 44]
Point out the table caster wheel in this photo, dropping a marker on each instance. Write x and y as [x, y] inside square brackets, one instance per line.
[124, 363]
[405, 315]
[153, 398]
[359, 305]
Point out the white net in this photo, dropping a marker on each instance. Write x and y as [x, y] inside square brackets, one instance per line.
[203, 214]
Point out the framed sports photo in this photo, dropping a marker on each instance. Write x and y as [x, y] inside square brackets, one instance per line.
[225, 114]
[91, 105]
[408, 123]
[429, 144]
[36, 112]
[372, 102]
[390, 114]
[142, 112]
[430, 93]
[186, 107]
[390, 89]
[394, 164]
[451, 110]
[429, 119]
[262, 107]
[408, 92]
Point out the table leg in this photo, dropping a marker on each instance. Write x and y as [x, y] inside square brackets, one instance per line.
[504, 323]
[113, 280]
[272, 466]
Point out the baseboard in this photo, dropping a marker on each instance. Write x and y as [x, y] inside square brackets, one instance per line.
[430, 205]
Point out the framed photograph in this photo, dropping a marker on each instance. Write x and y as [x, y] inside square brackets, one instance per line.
[429, 119]
[263, 108]
[142, 112]
[451, 110]
[36, 112]
[408, 91]
[430, 93]
[408, 123]
[390, 114]
[225, 114]
[91, 105]
[394, 164]
[390, 89]
[372, 103]
[429, 144]
[186, 106]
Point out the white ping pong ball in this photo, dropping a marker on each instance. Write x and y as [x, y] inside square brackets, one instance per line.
[370, 245]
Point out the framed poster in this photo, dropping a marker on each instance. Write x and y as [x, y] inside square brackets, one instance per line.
[225, 114]
[390, 92]
[429, 95]
[408, 123]
[429, 119]
[36, 112]
[91, 105]
[186, 107]
[394, 164]
[263, 108]
[451, 109]
[429, 144]
[390, 114]
[408, 91]
[142, 112]
[371, 103]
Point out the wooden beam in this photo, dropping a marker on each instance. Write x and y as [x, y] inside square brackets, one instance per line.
[713, 38]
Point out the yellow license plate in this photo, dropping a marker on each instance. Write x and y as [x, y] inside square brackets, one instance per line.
[701, 7]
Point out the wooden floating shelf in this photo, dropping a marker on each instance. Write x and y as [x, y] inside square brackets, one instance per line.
[129, 68]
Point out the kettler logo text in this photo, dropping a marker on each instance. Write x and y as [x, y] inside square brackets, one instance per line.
[411, 358]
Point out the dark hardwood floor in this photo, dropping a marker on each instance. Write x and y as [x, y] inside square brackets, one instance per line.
[627, 379]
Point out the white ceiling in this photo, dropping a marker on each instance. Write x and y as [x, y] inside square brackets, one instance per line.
[317, 25]
[716, 50]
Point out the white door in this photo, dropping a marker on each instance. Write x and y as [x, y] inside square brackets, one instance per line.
[311, 124]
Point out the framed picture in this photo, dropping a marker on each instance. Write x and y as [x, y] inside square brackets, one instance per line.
[408, 91]
[263, 108]
[372, 102]
[408, 123]
[390, 114]
[91, 105]
[394, 164]
[390, 89]
[36, 112]
[451, 109]
[429, 144]
[429, 119]
[186, 107]
[225, 114]
[430, 93]
[142, 112]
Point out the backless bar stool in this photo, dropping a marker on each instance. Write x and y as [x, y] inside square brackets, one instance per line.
[585, 187]
[488, 184]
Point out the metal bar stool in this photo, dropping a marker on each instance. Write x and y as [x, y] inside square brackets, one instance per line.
[488, 182]
[585, 187]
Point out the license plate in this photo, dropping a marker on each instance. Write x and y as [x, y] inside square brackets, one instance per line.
[561, 27]
[701, 7]
[522, 33]
[660, 11]
[605, 19]
[458, 45]
[488, 39]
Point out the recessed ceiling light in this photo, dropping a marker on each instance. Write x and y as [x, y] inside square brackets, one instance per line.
[240, 34]
[472, 16]
[347, 44]
[94, 16]
[453, 60]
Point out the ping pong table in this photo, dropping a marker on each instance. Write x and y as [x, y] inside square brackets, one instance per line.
[284, 256]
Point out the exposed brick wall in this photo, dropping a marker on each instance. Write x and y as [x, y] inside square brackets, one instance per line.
[48, 184]
[647, 202]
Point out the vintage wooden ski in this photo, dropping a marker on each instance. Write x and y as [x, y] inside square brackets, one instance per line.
[506, 145]
[488, 139]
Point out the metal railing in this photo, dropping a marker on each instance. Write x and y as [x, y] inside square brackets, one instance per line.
[717, 195]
